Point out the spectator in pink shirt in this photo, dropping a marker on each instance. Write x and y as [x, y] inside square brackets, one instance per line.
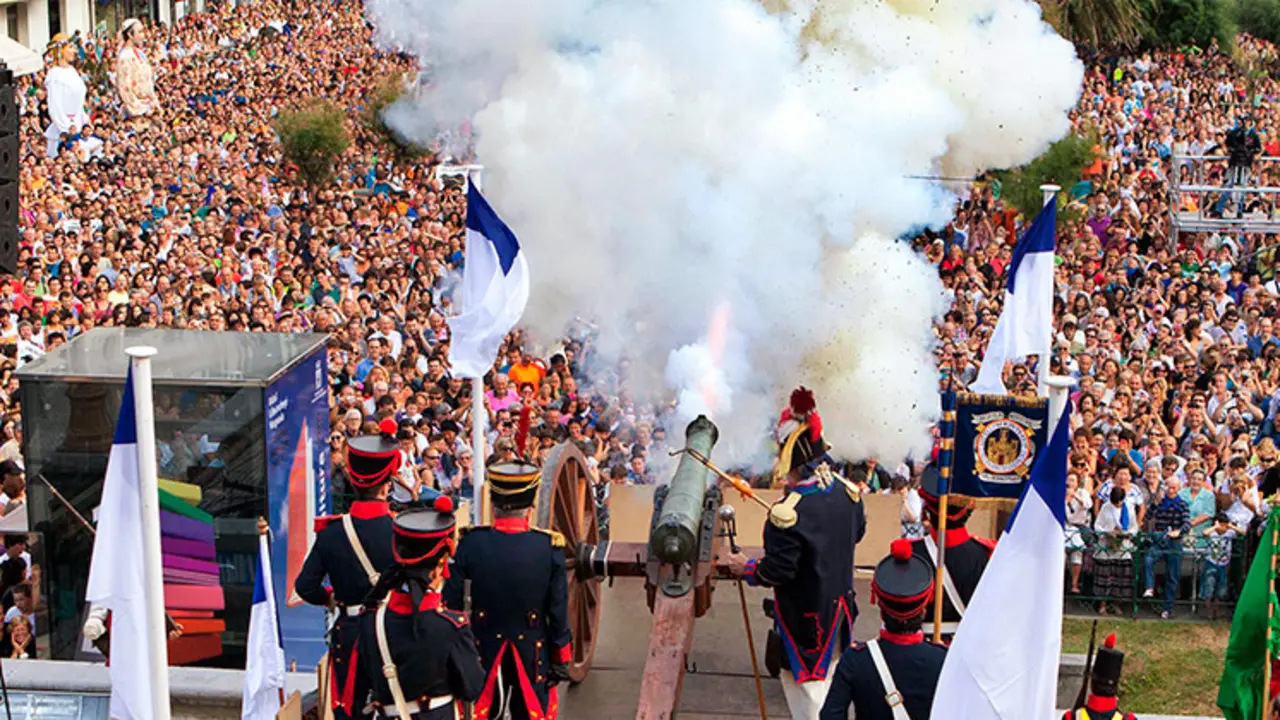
[502, 396]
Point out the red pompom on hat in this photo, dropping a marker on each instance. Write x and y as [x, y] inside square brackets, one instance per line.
[903, 583]
[443, 504]
[802, 402]
[900, 549]
[802, 407]
[1110, 642]
[388, 426]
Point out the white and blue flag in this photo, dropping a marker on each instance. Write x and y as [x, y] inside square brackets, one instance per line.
[1025, 326]
[117, 572]
[264, 665]
[494, 291]
[1003, 664]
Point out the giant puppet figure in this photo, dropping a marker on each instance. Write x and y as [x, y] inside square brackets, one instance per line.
[66, 93]
[134, 79]
[808, 558]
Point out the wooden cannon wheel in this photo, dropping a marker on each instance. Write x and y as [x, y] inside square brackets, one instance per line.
[567, 504]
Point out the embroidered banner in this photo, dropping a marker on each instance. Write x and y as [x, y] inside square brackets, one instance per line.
[990, 442]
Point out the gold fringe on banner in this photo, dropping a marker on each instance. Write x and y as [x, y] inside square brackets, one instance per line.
[1001, 504]
[1003, 401]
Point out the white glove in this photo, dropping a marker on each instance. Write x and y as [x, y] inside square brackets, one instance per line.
[96, 626]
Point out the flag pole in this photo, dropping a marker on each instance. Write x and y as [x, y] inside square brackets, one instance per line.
[264, 548]
[944, 476]
[1271, 611]
[149, 486]
[1049, 193]
[475, 175]
[941, 564]
[1059, 387]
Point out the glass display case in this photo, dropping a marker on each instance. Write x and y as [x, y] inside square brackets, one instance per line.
[216, 449]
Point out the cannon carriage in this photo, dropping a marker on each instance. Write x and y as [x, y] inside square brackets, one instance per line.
[678, 563]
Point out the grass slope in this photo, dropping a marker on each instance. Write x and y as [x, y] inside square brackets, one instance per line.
[1169, 668]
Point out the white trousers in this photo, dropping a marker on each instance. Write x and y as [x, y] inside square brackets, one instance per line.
[804, 700]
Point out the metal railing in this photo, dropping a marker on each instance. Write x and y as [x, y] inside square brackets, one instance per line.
[1198, 204]
[1192, 570]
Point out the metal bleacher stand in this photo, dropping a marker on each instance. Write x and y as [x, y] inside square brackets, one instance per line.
[1196, 201]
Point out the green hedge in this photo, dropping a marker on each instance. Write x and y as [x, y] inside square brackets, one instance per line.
[313, 137]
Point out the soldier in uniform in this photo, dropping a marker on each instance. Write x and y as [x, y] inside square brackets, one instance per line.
[894, 676]
[519, 600]
[1104, 686]
[421, 658]
[352, 550]
[808, 558]
[966, 555]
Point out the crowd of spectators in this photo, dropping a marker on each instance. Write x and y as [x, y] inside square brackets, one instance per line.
[1171, 335]
[190, 218]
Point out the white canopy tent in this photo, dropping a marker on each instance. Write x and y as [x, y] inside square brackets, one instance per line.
[21, 59]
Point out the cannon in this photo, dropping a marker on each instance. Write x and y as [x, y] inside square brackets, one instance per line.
[678, 563]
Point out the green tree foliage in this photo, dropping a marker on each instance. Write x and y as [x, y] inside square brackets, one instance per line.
[1181, 23]
[313, 136]
[384, 95]
[1260, 18]
[1061, 164]
[1099, 24]
[1119, 25]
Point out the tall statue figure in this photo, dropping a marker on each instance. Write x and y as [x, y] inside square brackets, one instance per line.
[134, 79]
[66, 92]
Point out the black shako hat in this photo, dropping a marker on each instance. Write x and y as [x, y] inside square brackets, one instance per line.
[959, 507]
[903, 583]
[422, 535]
[513, 485]
[1107, 665]
[373, 459]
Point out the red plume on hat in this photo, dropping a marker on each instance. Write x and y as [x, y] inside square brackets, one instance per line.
[900, 549]
[803, 408]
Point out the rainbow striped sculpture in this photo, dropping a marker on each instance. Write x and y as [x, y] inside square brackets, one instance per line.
[192, 588]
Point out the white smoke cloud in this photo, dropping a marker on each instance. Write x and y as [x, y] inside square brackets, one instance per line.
[657, 158]
[702, 388]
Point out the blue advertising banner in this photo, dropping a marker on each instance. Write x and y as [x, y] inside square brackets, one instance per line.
[298, 490]
[990, 442]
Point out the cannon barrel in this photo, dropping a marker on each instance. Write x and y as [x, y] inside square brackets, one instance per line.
[674, 538]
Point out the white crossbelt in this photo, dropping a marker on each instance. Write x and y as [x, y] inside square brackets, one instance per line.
[950, 587]
[415, 707]
[349, 527]
[891, 694]
[948, 628]
[388, 666]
